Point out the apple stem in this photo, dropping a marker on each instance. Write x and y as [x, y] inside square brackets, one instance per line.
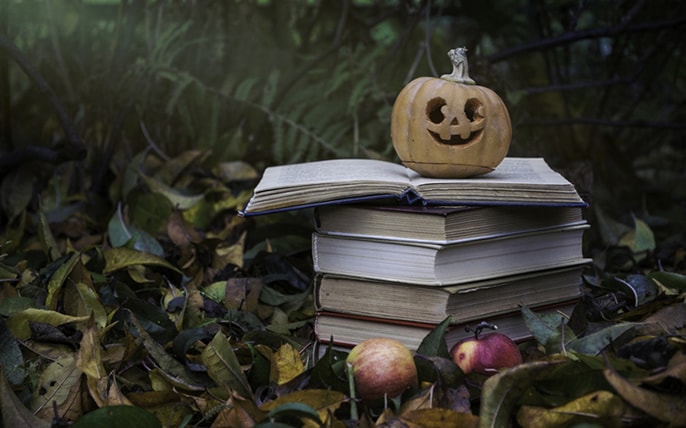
[351, 385]
[479, 327]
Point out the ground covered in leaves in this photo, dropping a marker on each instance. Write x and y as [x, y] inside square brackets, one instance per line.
[173, 311]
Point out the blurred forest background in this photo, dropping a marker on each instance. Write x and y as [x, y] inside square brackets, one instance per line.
[90, 87]
[132, 131]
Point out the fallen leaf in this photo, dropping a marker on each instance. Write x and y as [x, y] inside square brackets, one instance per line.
[599, 407]
[223, 366]
[13, 411]
[501, 392]
[21, 329]
[286, 364]
[665, 407]
[118, 416]
[122, 257]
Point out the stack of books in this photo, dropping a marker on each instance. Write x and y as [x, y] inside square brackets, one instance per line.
[396, 253]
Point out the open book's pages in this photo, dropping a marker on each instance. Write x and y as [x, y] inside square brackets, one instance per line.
[347, 330]
[456, 263]
[439, 224]
[518, 181]
[431, 304]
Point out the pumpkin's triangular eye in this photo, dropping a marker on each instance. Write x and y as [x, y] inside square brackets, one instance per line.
[455, 126]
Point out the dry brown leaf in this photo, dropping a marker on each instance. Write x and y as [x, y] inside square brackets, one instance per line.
[665, 407]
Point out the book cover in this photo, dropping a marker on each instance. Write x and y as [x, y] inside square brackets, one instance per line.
[439, 224]
[456, 263]
[346, 330]
[516, 181]
[430, 304]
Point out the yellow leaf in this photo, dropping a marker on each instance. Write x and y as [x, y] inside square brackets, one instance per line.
[122, 257]
[18, 323]
[286, 364]
[82, 300]
[600, 407]
[57, 280]
[60, 383]
[89, 358]
[438, 418]
[229, 254]
[324, 401]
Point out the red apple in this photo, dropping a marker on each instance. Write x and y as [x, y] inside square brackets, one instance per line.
[485, 354]
[381, 367]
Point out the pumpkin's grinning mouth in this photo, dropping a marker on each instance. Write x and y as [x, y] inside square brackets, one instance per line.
[456, 140]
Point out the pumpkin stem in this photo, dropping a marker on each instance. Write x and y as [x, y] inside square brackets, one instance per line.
[460, 74]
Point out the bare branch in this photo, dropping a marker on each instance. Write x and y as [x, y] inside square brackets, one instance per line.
[587, 34]
[603, 122]
[18, 56]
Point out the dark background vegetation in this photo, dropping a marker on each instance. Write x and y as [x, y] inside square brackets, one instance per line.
[131, 131]
[595, 87]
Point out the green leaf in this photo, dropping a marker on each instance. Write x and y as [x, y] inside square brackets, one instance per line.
[547, 328]
[175, 372]
[502, 392]
[178, 199]
[16, 192]
[11, 358]
[58, 278]
[122, 258]
[19, 322]
[671, 280]
[434, 343]
[130, 176]
[150, 212]
[12, 305]
[294, 410]
[223, 366]
[596, 342]
[152, 318]
[121, 233]
[47, 239]
[116, 417]
[640, 239]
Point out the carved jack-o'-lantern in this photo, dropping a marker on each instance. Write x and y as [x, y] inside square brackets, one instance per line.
[450, 127]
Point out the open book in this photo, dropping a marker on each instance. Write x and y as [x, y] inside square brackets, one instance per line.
[516, 181]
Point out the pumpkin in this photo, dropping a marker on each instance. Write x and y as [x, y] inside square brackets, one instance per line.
[449, 127]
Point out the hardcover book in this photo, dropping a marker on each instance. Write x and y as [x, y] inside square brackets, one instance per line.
[456, 263]
[429, 304]
[516, 181]
[439, 224]
[345, 330]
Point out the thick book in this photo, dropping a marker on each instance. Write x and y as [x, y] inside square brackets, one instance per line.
[439, 224]
[429, 304]
[345, 330]
[456, 263]
[516, 181]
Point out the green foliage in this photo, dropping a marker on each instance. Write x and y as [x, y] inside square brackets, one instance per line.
[127, 279]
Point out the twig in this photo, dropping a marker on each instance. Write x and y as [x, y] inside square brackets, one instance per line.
[5, 107]
[604, 122]
[13, 52]
[586, 34]
[427, 39]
